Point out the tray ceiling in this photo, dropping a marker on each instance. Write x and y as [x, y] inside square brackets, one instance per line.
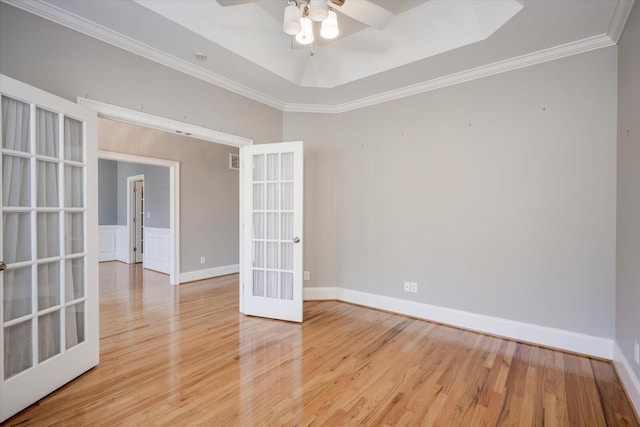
[427, 45]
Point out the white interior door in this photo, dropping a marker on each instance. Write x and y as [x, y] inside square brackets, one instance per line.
[49, 286]
[138, 220]
[271, 214]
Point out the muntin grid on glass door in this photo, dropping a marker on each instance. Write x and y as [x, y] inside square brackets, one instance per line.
[273, 225]
[43, 235]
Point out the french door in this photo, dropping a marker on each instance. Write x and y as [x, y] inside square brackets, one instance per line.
[271, 216]
[48, 282]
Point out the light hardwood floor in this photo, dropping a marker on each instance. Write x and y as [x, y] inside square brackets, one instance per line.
[185, 356]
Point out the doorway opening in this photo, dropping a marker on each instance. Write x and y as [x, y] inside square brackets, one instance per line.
[116, 113]
[137, 237]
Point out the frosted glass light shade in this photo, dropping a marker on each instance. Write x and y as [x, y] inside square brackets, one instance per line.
[330, 28]
[291, 22]
[305, 36]
[318, 10]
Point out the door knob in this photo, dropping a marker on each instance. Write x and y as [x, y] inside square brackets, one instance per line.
[296, 240]
[3, 266]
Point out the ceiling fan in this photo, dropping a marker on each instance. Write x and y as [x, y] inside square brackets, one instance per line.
[364, 11]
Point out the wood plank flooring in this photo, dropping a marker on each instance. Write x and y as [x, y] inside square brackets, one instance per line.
[185, 356]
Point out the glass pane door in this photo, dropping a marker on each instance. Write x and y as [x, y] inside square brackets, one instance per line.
[272, 205]
[42, 176]
[273, 225]
[44, 246]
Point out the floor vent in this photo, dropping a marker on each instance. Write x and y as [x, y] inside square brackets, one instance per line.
[234, 161]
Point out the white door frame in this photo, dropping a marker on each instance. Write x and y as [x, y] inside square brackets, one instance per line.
[126, 115]
[174, 204]
[131, 231]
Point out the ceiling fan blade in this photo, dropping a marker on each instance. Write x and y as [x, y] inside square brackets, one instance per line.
[233, 2]
[364, 11]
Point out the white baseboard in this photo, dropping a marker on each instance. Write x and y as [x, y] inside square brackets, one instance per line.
[630, 382]
[520, 331]
[207, 273]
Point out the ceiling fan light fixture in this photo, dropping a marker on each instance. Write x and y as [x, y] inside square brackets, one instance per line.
[291, 23]
[329, 29]
[318, 10]
[305, 36]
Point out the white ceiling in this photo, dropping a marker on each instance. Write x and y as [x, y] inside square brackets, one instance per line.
[428, 43]
[425, 30]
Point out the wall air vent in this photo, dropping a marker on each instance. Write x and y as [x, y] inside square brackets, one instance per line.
[234, 161]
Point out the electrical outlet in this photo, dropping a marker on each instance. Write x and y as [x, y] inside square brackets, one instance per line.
[636, 352]
[307, 275]
[407, 286]
[201, 260]
[414, 287]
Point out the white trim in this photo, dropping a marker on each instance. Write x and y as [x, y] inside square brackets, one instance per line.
[511, 329]
[557, 52]
[69, 20]
[122, 114]
[630, 382]
[107, 243]
[314, 108]
[133, 158]
[619, 18]
[84, 26]
[207, 273]
[174, 201]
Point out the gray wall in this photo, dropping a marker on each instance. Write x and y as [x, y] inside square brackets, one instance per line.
[112, 192]
[107, 192]
[69, 64]
[156, 192]
[208, 189]
[628, 251]
[497, 196]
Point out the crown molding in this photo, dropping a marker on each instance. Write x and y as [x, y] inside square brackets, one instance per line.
[619, 18]
[557, 52]
[165, 124]
[84, 26]
[310, 108]
[45, 10]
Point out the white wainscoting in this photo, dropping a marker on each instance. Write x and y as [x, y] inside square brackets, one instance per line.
[157, 249]
[113, 245]
[122, 242]
[107, 243]
[519, 331]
